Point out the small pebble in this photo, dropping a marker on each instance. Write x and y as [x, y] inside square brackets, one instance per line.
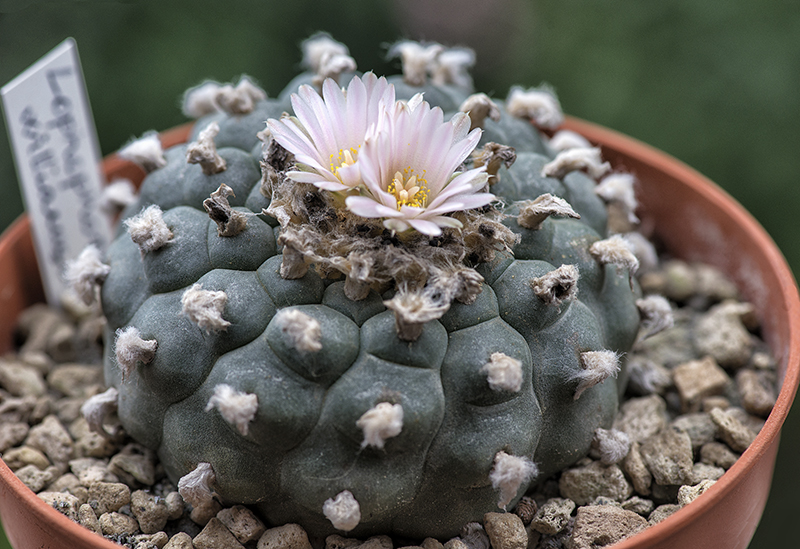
[732, 431]
[106, 497]
[52, 439]
[21, 380]
[703, 471]
[36, 479]
[175, 505]
[662, 511]
[156, 540]
[698, 426]
[688, 494]
[216, 536]
[603, 525]
[288, 536]
[181, 540]
[756, 398]
[636, 468]
[431, 543]
[584, 484]
[378, 542]
[76, 380]
[721, 334]
[525, 509]
[668, 455]
[66, 504]
[117, 524]
[88, 519]
[242, 523]
[553, 516]
[133, 466]
[642, 417]
[335, 541]
[698, 379]
[11, 434]
[25, 455]
[718, 454]
[640, 506]
[505, 531]
[150, 511]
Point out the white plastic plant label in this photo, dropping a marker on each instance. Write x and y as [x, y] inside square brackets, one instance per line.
[55, 148]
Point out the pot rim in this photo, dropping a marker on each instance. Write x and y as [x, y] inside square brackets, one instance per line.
[610, 141]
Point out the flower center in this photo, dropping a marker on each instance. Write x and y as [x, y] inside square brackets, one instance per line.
[347, 157]
[408, 189]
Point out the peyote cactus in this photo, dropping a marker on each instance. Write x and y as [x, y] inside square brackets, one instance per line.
[402, 359]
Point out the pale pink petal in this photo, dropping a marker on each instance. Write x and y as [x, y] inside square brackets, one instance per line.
[395, 224]
[367, 207]
[425, 227]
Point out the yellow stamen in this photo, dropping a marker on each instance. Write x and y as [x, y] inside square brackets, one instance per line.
[409, 191]
[346, 157]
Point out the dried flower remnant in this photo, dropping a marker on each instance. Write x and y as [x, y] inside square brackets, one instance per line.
[417, 60]
[235, 407]
[205, 307]
[538, 105]
[452, 66]
[148, 229]
[412, 309]
[619, 187]
[508, 474]
[204, 151]
[145, 151]
[195, 486]
[343, 511]
[86, 273]
[97, 408]
[326, 58]
[494, 156]
[229, 221]
[533, 213]
[379, 423]
[408, 165]
[557, 286]
[656, 315]
[327, 132]
[479, 107]
[130, 349]
[570, 160]
[615, 251]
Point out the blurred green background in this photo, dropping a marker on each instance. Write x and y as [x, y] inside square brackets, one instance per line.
[713, 83]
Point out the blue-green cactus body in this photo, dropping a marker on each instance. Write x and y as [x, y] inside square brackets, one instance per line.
[303, 445]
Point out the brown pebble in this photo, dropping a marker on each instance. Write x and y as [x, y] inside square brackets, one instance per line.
[11, 434]
[288, 536]
[115, 524]
[242, 523]
[181, 540]
[668, 455]
[336, 541]
[107, 497]
[698, 379]
[52, 439]
[76, 380]
[134, 466]
[688, 494]
[156, 540]
[662, 511]
[525, 509]
[641, 417]
[603, 525]
[25, 455]
[505, 531]
[150, 511]
[718, 454]
[66, 504]
[16, 409]
[553, 516]
[377, 542]
[431, 543]
[756, 398]
[36, 479]
[720, 333]
[584, 484]
[216, 536]
[175, 506]
[637, 470]
[21, 380]
[732, 431]
[88, 518]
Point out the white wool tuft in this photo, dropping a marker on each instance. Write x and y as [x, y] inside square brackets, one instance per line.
[195, 487]
[205, 308]
[570, 160]
[612, 445]
[504, 373]
[597, 366]
[533, 213]
[201, 100]
[417, 59]
[568, 139]
[235, 407]
[656, 314]
[86, 272]
[509, 474]
[318, 48]
[333, 66]
[643, 249]
[557, 286]
[300, 331]
[452, 66]
[148, 229]
[646, 377]
[204, 151]
[615, 251]
[130, 349]
[118, 194]
[539, 105]
[145, 151]
[96, 408]
[239, 99]
[380, 423]
[343, 511]
[619, 187]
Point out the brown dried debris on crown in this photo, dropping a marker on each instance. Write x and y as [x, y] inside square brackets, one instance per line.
[533, 213]
[557, 286]
[204, 151]
[493, 156]
[229, 221]
[479, 107]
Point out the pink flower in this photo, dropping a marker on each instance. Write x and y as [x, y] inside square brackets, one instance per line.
[408, 166]
[327, 131]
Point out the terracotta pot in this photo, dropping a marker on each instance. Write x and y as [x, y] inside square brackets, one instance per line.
[693, 218]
